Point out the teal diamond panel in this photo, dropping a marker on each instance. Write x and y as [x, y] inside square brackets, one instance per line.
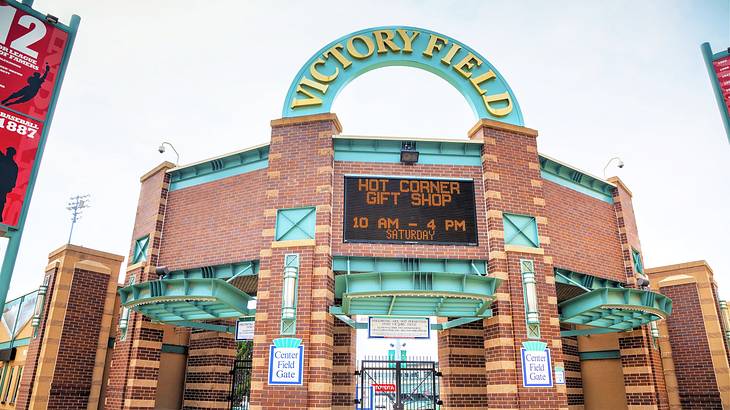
[520, 230]
[638, 266]
[140, 249]
[295, 223]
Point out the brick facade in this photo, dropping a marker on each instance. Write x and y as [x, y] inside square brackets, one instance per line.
[67, 358]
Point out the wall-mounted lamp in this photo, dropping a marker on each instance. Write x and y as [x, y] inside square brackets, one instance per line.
[289, 294]
[408, 153]
[39, 303]
[162, 271]
[530, 288]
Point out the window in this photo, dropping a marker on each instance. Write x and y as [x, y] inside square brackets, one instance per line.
[638, 266]
[17, 385]
[520, 230]
[295, 223]
[140, 249]
[6, 390]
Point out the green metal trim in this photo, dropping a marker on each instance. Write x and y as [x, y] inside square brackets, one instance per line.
[295, 223]
[716, 89]
[584, 281]
[218, 168]
[585, 332]
[636, 258]
[353, 264]
[458, 322]
[604, 354]
[202, 326]
[615, 308]
[179, 349]
[140, 249]
[15, 343]
[388, 151]
[175, 300]
[110, 343]
[225, 271]
[418, 294]
[520, 230]
[575, 180]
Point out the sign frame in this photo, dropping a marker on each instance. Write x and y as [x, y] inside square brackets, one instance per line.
[404, 242]
[15, 233]
[549, 372]
[238, 330]
[723, 101]
[428, 326]
[300, 379]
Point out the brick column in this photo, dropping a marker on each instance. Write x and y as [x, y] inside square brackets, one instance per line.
[573, 376]
[343, 366]
[643, 376]
[136, 359]
[461, 359]
[692, 344]
[299, 175]
[208, 378]
[66, 359]
[513, 184]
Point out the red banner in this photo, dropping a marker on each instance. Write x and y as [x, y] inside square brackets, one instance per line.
[722, 70]
[31, 51]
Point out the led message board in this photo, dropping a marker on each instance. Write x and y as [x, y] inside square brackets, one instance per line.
[409, 210]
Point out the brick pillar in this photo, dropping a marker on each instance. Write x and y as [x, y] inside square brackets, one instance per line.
[300, 174]
[136, 359]
[65, 362]
[692, 343]
[461, 359]
[208, 378]
[643, 376]
[343, 366]
[513, 184]
[573, 376]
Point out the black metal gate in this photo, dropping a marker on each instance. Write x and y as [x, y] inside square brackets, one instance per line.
[240, 384]
[398, 385]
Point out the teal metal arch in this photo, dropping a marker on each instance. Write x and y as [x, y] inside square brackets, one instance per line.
[328, 71]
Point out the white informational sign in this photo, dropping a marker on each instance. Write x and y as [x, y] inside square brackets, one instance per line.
[286, 364]
[537, 370]
[244, 330]
[399, 328]
[559, 375]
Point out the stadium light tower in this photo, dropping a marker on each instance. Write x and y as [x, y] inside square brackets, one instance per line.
[76, 205]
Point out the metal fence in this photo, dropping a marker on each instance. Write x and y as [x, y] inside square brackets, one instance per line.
[398, 385]
[240, 384]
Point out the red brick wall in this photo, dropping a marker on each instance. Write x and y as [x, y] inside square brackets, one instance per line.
[411, 251]
[583, 233]
[75, 360]
[690, 350]
[462, 368]
[214, 223]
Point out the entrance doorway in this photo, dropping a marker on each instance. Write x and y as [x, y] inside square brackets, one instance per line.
[398, 385]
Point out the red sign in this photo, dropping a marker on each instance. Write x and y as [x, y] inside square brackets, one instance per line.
[31, 51]
[722, 70]
[384, 387]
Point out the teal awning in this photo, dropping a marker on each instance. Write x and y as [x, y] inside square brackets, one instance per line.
[415, 294]
[615, 308]
[187, 299]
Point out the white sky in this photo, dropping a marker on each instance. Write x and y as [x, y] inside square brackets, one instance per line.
[596, 78]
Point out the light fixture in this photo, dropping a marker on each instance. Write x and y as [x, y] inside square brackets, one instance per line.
[162, 271]
[51, 19]
[620, 164]
[408, 153]
[161, 150]
[289, 294]
[530, 288]
[39, 303]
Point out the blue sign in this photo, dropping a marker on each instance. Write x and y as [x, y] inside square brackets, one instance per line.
[537, 369]
[286, 362]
